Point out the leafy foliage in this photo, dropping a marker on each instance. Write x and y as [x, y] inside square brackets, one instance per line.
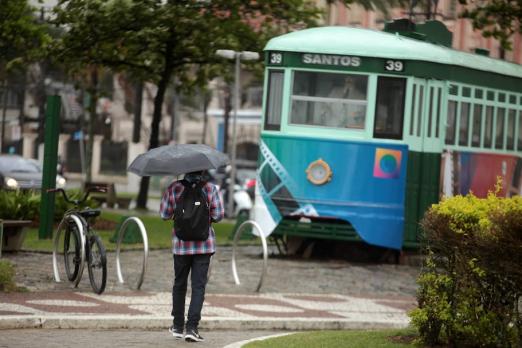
[22, 38]
[19, 204]
[7, 273]
[471, 285]
[496, 18]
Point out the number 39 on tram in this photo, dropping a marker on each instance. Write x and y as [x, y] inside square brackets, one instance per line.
[363, 130]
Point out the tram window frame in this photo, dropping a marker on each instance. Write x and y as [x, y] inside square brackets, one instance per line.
[383, 93]
[272, 122]
[439, 106]
[420, 110]
[430, 110]
[353, 98]
[412, 114]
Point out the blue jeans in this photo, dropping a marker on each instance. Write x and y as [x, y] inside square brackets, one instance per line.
[197, 266]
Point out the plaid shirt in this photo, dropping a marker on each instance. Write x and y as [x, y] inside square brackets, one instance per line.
[168, 204]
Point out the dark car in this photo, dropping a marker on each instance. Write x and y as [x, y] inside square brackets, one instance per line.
[17, 172]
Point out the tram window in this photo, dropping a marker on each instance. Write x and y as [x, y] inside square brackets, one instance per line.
[454, 90]
[499, 142]
[488, 128]
[477, 125]
[512, 99]
[274, 100]
[491, 95]
[464, 125]
[511, 130]
[466, 92]
[519, 143]
[479, 94]
[452, 120]
[502, 97]
[329, 99]
[389, 108]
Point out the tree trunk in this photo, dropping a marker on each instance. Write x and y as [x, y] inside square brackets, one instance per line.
[141, 202]
[138, 101]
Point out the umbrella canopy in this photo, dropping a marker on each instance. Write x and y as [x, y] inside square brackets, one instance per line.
[177, 159]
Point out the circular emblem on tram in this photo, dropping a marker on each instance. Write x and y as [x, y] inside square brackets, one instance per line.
[319, 172]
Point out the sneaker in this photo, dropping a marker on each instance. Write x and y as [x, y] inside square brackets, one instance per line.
[177, 333]
[193, 336]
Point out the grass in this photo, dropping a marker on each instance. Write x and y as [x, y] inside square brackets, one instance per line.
[158, 233]
[343, 338]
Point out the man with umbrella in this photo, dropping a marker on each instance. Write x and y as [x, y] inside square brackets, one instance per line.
[190, 256]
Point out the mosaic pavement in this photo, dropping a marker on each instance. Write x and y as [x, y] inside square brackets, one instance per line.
[68, 309]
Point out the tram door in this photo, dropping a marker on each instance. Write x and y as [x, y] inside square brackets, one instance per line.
[423, 131]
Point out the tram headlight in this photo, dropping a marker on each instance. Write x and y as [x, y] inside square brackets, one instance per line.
[319, 172]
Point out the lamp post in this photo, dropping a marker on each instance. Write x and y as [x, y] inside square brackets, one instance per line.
[238, 56]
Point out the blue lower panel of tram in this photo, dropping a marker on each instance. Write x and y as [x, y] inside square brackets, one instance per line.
[366, 186]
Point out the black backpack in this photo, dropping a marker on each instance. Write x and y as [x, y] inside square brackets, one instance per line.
[192, 213]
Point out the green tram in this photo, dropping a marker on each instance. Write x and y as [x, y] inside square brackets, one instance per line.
[363, 130]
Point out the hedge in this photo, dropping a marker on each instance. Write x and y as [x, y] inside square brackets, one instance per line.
[471, 283]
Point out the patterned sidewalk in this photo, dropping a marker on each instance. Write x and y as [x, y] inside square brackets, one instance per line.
[113, 310]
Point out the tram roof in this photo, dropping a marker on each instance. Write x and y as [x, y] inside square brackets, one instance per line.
[373, 43]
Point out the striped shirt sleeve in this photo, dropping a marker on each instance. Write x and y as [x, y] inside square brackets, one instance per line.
[168, 203]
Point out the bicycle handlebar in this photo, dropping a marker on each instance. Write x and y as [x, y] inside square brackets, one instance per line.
[78, 201]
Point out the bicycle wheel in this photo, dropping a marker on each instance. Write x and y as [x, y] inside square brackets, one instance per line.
[97, 264]
[71, 250]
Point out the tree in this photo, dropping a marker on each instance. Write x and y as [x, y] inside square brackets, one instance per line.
[22, 37]
[495, 18]
[22, 41]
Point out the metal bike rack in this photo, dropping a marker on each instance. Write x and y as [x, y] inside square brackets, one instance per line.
[265, 251]
[145, 239]
[79, 226]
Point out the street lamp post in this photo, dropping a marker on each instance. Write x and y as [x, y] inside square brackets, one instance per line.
[238, 56]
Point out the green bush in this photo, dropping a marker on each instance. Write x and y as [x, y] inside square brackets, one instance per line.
[25, 205]
[6, 276]
[471, 284]
[19, 204]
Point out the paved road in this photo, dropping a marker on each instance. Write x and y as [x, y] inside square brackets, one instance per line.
[34, 271]
[81, 338]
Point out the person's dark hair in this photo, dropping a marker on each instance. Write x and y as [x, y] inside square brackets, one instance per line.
[197, 176]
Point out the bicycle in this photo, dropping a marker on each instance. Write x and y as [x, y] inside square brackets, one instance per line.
[81, 243]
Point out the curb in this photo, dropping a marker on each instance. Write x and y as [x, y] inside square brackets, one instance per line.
[242, 343]
[154, 322]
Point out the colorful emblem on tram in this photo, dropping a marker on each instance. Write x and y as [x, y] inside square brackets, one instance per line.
[387, 163]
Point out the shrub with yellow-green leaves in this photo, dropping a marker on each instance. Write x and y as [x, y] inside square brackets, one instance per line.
[470, 286]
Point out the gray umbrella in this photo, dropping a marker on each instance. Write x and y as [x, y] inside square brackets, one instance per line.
[177, 159]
